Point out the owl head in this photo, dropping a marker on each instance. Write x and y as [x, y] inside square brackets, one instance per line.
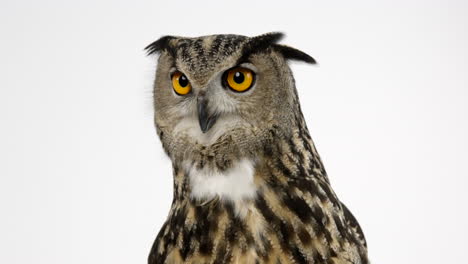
[227, 93]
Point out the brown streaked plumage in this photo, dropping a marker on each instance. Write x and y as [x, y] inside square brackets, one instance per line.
[249, 185]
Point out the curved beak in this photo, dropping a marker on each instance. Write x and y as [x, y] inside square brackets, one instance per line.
[205, 119]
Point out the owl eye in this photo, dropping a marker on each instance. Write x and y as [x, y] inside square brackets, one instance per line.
[239, 79]
[180, 83]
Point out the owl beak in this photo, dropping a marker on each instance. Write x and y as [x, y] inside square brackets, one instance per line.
[204, 118]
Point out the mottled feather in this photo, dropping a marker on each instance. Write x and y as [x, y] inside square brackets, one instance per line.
[291, 214]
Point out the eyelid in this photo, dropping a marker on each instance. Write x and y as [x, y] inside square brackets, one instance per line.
[172, 70]
[247, 65]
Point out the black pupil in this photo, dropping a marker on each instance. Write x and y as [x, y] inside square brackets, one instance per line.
[183, 81]
[239, 77]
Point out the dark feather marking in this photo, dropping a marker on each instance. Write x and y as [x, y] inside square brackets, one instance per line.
[318, 258]
[320, 227]
[305, 138]
[215, 45]
[341, 228]
[331, 196]
[298, 256]
[293, 54]
[297, 154]
[304, 236]
[259, 44]
[197, 45]
[299, 207]
[206, 246]
[354, 223]
[234, 227]
[185, 54]
[283, 168]
[287, 230]
[274, 221]
[186, 235]
[306, 184]
[162, 44]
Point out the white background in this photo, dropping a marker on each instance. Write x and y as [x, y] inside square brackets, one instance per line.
[83, 178]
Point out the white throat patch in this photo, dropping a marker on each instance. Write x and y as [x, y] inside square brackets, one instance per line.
[234, 184]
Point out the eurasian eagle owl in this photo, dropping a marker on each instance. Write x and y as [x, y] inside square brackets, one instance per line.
[249, 185]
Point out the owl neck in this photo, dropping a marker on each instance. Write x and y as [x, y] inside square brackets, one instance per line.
[285, 157]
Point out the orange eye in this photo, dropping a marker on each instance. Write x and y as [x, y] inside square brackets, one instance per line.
[180, 83]
[239, 79]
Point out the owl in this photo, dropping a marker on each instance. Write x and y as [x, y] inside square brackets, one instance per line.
[249, 185]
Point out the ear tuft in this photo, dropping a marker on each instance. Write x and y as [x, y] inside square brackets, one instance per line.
[159, 45]
[265, 40]
[293, 54]
[260, 43]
